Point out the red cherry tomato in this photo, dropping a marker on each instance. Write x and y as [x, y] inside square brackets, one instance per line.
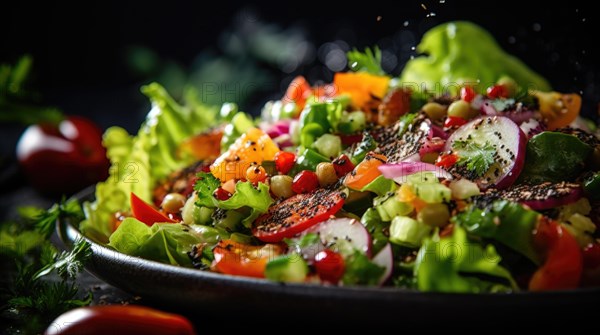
[305, 181]
[117, 319]
[64, 157]
[284, 161]
[221, 194]
[467, 93]
[497, 91]
[342, 166]
[146, 213]
[454, 121]
[330, 266]
[446, 161]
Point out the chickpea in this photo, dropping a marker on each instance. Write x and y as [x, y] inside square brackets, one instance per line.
[281, 186]
[461, 108]
[434, 110]
[326, 174]
[173, 202]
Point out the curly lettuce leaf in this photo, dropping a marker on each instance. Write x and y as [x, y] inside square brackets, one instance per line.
[139, 162]
[163, 242]
[246, 195]
[450, 58]
[454, 264]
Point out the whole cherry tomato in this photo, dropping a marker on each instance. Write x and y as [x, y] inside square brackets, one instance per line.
[63, 157]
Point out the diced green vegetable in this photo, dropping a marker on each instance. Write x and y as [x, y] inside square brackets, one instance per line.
[287, 268]
[328, 145]
[367, 144]
[388, 206]
[375, 226]
[307, 160]
[352, 122]
[408, 232]
[432, 193]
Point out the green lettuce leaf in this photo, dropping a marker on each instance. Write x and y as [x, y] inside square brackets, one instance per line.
[454, 264]
[163, 242]
[450, 58]
[139, 162]
[246, 195]
[506, 222]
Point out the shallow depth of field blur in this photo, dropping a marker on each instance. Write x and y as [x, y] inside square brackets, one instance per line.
[91, 61]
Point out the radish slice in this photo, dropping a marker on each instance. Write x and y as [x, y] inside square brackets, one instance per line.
[385, 258]
[344, 229]
[399, 171]
[518, 115]
[509, 143]
[532, 127]
[545, 195]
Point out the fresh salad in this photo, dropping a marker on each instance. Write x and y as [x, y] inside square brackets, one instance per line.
[467, 173]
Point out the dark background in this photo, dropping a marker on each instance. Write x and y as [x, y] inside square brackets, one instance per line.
[79, 49]
[83, 64]
[82, 54]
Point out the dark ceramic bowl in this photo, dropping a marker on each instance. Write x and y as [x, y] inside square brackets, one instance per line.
[189, 288]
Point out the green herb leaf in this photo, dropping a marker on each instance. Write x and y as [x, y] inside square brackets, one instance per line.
[476, 157]
[367, 61]
[205, 187]
[68, 264]
[50, 299]
[45, 222]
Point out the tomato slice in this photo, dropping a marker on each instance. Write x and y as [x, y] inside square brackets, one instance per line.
[296, 214]
[242, 259]
[563, 266]
[146, 213]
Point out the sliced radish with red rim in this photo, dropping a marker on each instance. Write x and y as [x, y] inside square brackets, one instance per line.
[333, 231]
[508, 142]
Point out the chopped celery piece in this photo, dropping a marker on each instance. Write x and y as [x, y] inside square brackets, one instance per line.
[328, 145]
[389, 207]
[408, 232]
